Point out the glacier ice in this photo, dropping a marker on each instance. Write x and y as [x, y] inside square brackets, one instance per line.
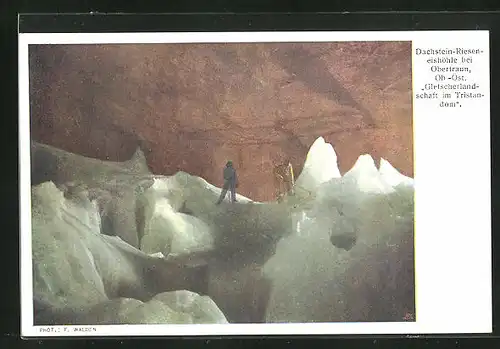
[353, 259]
[177, 307]
[114, 243]
[392, 176]
[76, 266]
[320, 166]
[365, 176]
[165, 229]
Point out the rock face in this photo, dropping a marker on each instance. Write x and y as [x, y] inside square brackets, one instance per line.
[193, 107]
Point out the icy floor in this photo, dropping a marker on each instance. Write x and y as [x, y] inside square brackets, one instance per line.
[113, 243]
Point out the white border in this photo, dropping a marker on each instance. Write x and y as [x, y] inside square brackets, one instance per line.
[452, 200]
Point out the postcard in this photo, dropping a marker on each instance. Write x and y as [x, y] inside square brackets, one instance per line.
[251, 183]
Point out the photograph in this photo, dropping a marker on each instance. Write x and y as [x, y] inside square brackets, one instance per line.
[221, 183]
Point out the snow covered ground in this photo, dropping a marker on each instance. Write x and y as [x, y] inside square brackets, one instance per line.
[113, 243]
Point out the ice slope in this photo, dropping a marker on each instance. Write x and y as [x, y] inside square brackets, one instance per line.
[180, 217]
[59, 166]
[114, 186]
[76, 267]
[340, 249]
[161, 215]
[167, 230]
[353, 258]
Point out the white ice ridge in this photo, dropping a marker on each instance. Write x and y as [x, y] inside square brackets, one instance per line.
[355, 246]
[393, 176]
[320, 166]
[366, 176]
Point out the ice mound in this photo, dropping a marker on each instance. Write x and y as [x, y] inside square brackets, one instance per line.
[75, 266]
[167, 230]
[392, 176]
[353, 257]
[178, 307]
[320, 166]
[341, 205]
[180, 217]
[366, 177]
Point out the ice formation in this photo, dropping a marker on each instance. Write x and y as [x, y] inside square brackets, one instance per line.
[353, 258]
[76, 267]
[113, 243]
[319, 167]
[392, 176]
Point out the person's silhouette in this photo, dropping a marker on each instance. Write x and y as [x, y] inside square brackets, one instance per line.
[230, 182]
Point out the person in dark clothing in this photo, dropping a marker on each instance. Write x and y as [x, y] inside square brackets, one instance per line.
[230, 182]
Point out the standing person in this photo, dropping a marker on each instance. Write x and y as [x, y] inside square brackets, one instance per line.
[230, 182]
